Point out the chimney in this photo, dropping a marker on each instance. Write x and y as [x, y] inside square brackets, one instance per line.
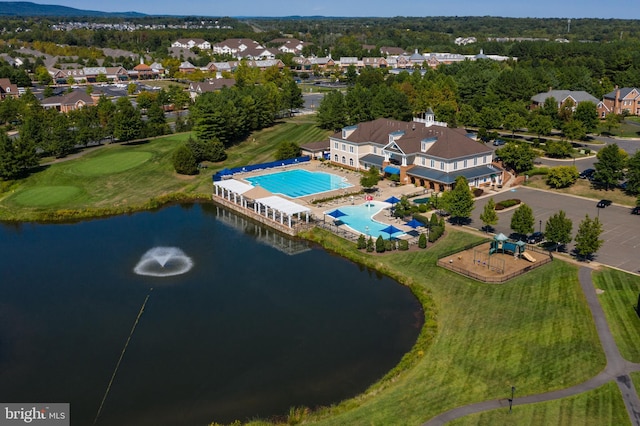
[616, 101]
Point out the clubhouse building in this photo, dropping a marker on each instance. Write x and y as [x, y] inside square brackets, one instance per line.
[421, 152]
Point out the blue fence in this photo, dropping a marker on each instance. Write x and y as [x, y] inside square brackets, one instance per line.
[281, 163]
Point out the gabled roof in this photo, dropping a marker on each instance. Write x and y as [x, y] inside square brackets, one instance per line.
[212, 85]
[561, 95]
[624, 92]
[449, 143]
[73, 98]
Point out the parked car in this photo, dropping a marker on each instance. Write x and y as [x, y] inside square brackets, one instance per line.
[535, 238]
[635, 210]
[603, 203]
[499, 142]
[587, 174]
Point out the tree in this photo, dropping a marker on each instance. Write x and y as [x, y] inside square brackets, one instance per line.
[370, 178]
[380, 244]
[184, 162]
[286, 150]
[587, 114]
[633, 174]
[513, 122]
[459, 201]
[574, 130]
[558, 149]
[612, 121]
[332, 111]
[540, 125]
[522, 220]
[212, 150]
[558, 229]
[610, 166]
[519, 157]
[489, 217]
[588, 240]
[127, 121]
[562, 176]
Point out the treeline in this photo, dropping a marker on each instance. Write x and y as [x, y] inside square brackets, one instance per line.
[48, 132]
[254, 102]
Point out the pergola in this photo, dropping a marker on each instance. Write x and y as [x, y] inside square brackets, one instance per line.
[234, 191]
[281, 205]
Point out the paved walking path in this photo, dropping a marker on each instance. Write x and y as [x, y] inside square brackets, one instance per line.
[617, 369]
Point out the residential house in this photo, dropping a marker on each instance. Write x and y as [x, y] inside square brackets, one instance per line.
[69, 102]
[387, 51]
[187, 67]
[188, 43]
[142, 71]
[158, 69]
[426, 155]
[289, 45]
[563, 96]
[196, 89]
[625, 100]
[244, 48]
[312, 63]
[347, 61]
[8, 89]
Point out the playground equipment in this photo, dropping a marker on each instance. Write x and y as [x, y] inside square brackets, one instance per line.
[501, 244]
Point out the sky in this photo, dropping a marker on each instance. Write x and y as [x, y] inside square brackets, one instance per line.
[624, 9]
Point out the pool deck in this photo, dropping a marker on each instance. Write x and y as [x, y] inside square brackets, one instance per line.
[385, 190]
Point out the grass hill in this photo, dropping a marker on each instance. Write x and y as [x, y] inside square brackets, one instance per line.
[23, 8]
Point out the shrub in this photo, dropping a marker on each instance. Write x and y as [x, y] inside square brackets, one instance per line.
[403, 245]
[562, 176]
[501, 205]
[389, 245]
[422, 208]
[380, 245]
[370, 245]
[477, 192]
[362, 242]
[184, 161]
[422, 241]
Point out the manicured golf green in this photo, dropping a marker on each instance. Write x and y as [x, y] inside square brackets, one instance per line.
[47, 196]
[110, 163]
[602, 406]
[619, 299]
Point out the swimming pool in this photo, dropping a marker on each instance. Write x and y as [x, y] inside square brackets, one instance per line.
[299, 182]
[359, 218]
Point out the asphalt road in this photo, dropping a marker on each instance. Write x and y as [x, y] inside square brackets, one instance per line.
[621, 229]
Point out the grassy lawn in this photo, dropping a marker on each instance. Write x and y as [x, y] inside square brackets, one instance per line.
[534, 333]
[602, 406]
[619, 299]
[118, 178]
[583, 188]
[635, 377]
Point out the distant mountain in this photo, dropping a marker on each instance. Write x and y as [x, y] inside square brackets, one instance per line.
[27, 9]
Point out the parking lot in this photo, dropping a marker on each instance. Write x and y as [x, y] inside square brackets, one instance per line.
[621, 229]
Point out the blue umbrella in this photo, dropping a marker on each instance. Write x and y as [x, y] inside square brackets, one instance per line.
[391, 230]
[392, 200]
[336, 213]
[414, 223]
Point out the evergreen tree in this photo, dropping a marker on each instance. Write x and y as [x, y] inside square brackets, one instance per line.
[588, 240]
[332, 111]
[184, 162]
[380, 247]
[489, 217]
[422, 241]
[370, 244]
[362, 242]
[558, 229]
[522, 220]
[459, 201]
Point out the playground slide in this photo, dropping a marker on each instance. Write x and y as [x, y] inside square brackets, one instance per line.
[528, 257]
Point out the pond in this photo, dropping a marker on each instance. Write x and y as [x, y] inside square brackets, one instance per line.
[252, 322]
